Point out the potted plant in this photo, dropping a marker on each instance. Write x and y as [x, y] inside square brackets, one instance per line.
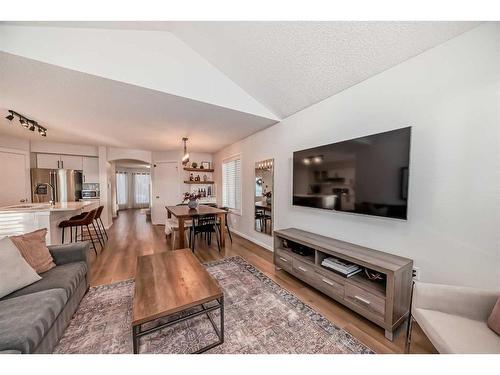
[192, 199]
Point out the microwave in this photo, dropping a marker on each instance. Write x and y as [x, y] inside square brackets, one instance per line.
[90, 194]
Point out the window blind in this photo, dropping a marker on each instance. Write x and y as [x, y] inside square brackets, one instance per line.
[231, 184]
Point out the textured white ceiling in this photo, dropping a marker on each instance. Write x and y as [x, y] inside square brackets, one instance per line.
[85, 109]
[288, 66]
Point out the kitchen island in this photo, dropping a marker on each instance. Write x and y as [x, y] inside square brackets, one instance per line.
[28, 217]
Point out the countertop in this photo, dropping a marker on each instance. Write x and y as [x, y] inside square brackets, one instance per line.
[37, 207]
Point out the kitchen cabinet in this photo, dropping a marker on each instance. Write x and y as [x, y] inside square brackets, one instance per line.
[50, 161]
[55, 161]
[71, 162]
[90, 170]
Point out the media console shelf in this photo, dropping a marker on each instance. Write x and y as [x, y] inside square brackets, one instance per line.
[385, 302]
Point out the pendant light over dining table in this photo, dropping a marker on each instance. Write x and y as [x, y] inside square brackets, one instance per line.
[185, 157]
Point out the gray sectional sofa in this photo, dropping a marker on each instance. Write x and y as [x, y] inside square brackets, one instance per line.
[33, 319]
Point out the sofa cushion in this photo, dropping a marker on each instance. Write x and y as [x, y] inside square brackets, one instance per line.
[15, 272]
[66, 276]
[457, 334]
[25, 320]
[32, 247]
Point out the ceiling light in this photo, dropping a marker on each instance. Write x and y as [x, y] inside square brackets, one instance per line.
[318, 159]
[10, 117]
[32, 127]
[306, 161]
[185, 157]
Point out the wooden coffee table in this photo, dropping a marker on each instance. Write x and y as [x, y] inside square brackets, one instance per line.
[172, 282]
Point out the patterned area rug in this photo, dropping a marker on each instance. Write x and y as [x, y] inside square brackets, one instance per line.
[260, 317]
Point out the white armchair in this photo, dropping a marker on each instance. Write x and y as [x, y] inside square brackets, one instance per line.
[454, 318]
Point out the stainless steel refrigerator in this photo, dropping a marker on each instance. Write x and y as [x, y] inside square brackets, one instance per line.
[65, 185]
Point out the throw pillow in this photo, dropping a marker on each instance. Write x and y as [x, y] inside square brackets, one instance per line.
[34, 251]
[494, 319]
[15, 272]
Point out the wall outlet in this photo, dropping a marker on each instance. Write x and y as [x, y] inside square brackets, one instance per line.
[416, 273]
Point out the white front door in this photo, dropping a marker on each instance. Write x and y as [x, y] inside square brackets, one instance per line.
[15, 178]
[165, 190]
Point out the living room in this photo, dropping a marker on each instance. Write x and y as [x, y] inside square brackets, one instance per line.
[261, 187]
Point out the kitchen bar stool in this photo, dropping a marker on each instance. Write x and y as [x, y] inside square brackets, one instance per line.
[100, 224]
[100, 229]
[82, 220]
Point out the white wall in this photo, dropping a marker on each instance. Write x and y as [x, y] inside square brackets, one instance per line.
[116, 153]
[450, 95]
[14, 142]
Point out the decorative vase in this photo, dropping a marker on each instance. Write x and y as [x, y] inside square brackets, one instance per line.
[193, 204]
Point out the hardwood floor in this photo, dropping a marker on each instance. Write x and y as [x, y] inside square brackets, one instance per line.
[131, 235]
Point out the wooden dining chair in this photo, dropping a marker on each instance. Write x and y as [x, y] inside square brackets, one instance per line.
[226, 221]
[204, 225]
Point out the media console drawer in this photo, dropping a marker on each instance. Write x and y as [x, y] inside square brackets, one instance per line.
[283, 260]
[365, 299]
[328, 285]
[303, 270]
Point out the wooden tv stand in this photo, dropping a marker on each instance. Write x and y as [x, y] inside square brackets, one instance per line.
[384, 303]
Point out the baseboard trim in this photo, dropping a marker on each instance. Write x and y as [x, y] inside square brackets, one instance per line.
[251, 239]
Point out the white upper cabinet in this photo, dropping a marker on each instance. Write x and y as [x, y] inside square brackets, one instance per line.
[72, 162]
[50, 161]
[90, 170]
[54, 161]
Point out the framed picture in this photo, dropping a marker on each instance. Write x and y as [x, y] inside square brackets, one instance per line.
[205, 165]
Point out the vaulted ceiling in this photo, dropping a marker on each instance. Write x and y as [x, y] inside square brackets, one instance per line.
[148, 84]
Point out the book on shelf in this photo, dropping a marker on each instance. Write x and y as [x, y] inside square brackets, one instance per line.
[342, 267]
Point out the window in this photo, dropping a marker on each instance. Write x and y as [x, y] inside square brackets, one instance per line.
[258, 187]
[121, 189]
[141, 190]
[231, 184]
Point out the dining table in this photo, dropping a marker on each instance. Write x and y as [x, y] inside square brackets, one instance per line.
[263, 206]
[183, 213]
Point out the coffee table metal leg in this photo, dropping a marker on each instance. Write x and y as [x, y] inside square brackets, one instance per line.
[135, 338]
[137, 333]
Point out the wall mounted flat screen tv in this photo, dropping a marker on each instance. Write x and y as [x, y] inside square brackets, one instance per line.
[367, 175]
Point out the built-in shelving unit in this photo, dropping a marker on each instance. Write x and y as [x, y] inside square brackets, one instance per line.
[203, 187]
[198, 170]
[199, 182]
[385, 302]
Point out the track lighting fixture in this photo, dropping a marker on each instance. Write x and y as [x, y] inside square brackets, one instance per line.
[27, 123]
